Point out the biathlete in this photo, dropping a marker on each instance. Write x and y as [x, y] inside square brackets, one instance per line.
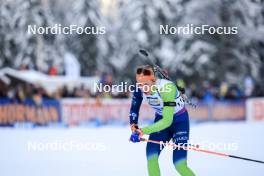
[171, 119]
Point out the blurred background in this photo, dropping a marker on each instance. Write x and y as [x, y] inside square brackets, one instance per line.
[47, 80]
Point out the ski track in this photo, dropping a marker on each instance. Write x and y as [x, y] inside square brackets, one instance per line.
[121, 157]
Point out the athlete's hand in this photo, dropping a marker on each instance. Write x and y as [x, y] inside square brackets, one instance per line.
[136, 135]
[134, 127]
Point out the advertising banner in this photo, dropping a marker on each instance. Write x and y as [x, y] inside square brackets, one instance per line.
[75, 111]
[227, 110]
[255, 109]
[38, 113]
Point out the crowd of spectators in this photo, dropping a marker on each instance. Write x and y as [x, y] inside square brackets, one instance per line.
[20, 91]
[209, 91]
[206, 91]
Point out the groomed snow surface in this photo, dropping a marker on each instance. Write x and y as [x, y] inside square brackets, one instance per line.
[115, 156]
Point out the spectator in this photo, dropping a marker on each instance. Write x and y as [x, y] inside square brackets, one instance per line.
[249, 86]
[53, 71]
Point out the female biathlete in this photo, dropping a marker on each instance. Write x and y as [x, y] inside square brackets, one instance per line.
[171, 119]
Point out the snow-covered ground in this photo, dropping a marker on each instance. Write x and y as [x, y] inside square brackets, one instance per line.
[115, 156]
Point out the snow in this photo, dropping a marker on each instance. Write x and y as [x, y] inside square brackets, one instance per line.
[116, 156]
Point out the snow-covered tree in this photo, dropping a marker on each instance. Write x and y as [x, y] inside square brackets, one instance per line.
[196, 57]
[223, 57]
[85, 47]
[134, 24]
[17, 45]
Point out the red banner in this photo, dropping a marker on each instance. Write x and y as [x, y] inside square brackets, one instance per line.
[75, 111]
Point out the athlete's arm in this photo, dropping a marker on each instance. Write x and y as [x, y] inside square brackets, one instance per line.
[168, 94]
[135, 106]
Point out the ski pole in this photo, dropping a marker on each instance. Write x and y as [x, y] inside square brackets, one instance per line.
[160, 142]
[204, 151]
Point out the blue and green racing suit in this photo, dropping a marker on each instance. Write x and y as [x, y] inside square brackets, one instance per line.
[171, 122]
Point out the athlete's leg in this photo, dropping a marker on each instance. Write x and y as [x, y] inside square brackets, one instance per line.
[183, 169]
[181, 137]
[153, 151]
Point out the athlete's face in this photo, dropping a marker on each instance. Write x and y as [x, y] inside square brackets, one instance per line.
[146, 86]
[145, 79]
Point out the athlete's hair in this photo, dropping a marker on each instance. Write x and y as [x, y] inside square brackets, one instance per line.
[147, 67]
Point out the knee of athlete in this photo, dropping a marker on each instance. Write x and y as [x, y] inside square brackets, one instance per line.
[152, 152]
[183, 169]
[152, 157]
[180, 164]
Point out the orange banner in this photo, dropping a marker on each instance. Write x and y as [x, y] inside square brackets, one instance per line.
[255, 109]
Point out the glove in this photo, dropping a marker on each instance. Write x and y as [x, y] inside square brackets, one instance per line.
[134, 127]
[136, 135]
